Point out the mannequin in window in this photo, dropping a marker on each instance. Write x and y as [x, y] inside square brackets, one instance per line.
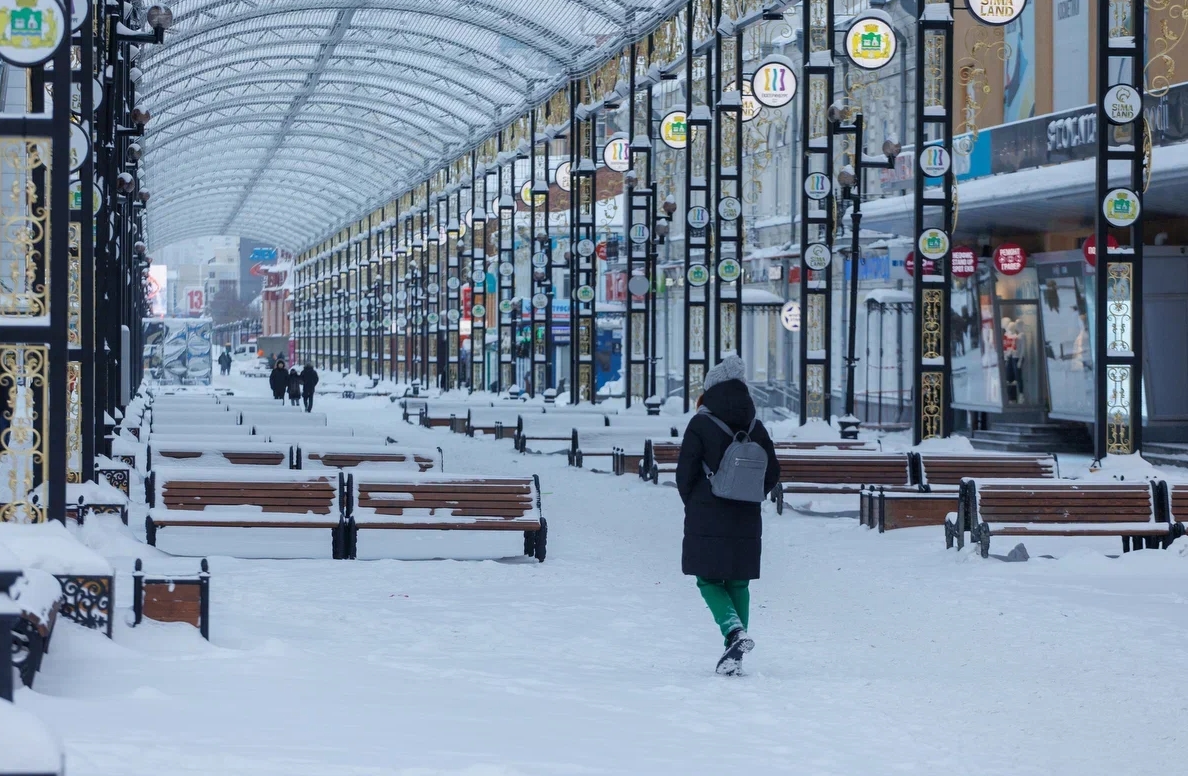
[1012, 354]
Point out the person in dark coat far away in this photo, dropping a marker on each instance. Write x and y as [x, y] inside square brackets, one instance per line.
[309, 381]
[279, 380]
[723, 538]
[294, 387]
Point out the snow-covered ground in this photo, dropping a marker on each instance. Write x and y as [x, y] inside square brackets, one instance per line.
[876, 654]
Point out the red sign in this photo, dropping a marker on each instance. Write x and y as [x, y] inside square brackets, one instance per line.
[195, 300]
[600, 251]
[616, 286]
[1090, 248]
[260, 269]
[464, 300]
[1010, 259]
[965, 262]
[909, 263]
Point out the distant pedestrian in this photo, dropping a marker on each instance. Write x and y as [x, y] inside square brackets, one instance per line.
[723, 537]
[309, 381]
[294, 387]
[225, 362]
[279, 380]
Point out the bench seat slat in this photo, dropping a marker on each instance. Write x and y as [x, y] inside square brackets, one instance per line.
[1079, 529]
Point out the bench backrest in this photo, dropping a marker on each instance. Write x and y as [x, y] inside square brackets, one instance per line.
[1055, 501]
[275, 491]
[856, 467]
[187, 432]
[164, 419]
[387, 457]
[557, 426]
[507, 497]
[220, 454]
[1177, 493]
[277, 430]
[951, 468]
[281, 419]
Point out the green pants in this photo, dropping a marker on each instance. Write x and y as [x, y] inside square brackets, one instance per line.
[729, 600]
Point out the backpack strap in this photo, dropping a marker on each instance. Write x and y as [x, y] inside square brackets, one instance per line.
[717, 421]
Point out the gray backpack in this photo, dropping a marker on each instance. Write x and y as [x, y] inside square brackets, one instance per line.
[744, 465]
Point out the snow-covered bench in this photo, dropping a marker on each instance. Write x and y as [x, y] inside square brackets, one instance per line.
[1133, 511]
[160, 420]
[549, 428]
[238, 498]
[172, 597]
[292, 417]
[436, 503]
[95, 498]
[210, 453]
[384, 457]
[27, 748]
[492, 421]
[609, 442]
[34, 598]
[833, 472]
[660, 456]
[276, 431]
[173, 433]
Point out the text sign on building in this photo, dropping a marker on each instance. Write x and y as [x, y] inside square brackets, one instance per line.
[195, 300]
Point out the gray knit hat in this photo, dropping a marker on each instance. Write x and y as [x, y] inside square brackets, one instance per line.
[729, 368]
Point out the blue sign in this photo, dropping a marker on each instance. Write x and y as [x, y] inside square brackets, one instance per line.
[872, 268]
[263, 254]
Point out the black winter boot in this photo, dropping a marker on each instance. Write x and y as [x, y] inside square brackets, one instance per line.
[738, 643]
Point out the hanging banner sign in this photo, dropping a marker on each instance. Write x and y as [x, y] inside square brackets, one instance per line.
[997, 12]
[617, 154]
[964, 261]
[933, 244]
[817, 256]
[870, 41]
[1121, 207]
[1009, 259]
[30, 31]
[774, 82]
[561, 176]
[1089, 248]
[674, 129]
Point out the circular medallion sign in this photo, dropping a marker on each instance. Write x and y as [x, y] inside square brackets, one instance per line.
[434, 289]
[1089, 248]
[401, 296]
[1009, 259]
[997, 12]
[433, 318]
[698, 275]
[526, 195]
[453, 316]
[387, 298]
[964, 261]
[1121, 207]
[30, 31]
[790, 316]
[909, 265]
[79, 11]
[617, 155]
[418, 319]
[478, 311]
[478, 276]
[540, 301]
[729, 208]
[870, 42]
[585, 294]
[561, 176]
[505, 306]
[507, 269]
[674, 129]
[933, 244]
[935, 161]
[750, 106]
[638, 285]
[639, 233]
[1122, 104]
[817, 256]
[729, 270]
[540, 260]
[401, 322]
[698, 217]
[80, 147]
[774, 83]
[453, 284]
[817, 186]
[585, 247]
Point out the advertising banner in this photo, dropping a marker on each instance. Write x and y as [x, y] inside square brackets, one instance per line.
[1070, 68]
[158, 290]
[1018, 95]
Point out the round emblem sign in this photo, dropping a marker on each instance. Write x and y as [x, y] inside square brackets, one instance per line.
[1089, 248]
[585, 247]
[750, 106]
[418, 319]
[909, 265]
[478, 311]
[80, 146]
[401, 322]
[540, 301]
[698, 275]
[453, 284]
[870, 41]
[401, 296]
[964, 261]
[817, 256]
[387, 298]
[790, 316]
[434, 289]
[639, 233]
[935, 161]
[561, 176]
[526, 195]
[31, 31]
[433, 318]
[1121, 207]
[933, 244]
[729, 270]
[729, 208]
[585, 294]
[698, 217]
[997, 12]
[507, 269]
[505, 306]
[478, 276]
[638, 285]
[617, 154]
[79, 11]
[674, 129]
[540, 260]
[452, 316]
[1009, 259]
[774, 83]
[817, 186]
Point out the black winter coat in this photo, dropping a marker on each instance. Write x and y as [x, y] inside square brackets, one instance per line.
[278, 381]
[723, 539]
[294, 384]
[309, 379]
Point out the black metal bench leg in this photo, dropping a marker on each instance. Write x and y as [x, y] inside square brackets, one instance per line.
[150, 532]
[541, 540]
[1125, 544]
[530, 543]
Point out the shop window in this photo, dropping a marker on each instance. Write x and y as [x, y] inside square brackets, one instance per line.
[1066, 307]
[974, 342]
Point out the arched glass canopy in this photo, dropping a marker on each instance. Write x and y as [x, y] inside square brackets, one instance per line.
[280, 120]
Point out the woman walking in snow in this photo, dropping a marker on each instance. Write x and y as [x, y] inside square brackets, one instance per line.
[294, 388]
[723, 537]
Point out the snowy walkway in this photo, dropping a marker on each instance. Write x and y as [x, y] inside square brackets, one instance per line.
[875, 654]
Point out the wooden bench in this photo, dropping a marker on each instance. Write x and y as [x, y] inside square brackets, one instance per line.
[345, 457]
[551, 428]
[292, 418]
[172, 598]
[197, 432]
[273, 499]
[610, 442]
[495, 422]
[429, 419]
[37, 595]
[428, 503]
[887, 510]
[661, 457]
[1130, 510]
[163, 420]
[224, 453]
[948, 469]
[819, 472]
